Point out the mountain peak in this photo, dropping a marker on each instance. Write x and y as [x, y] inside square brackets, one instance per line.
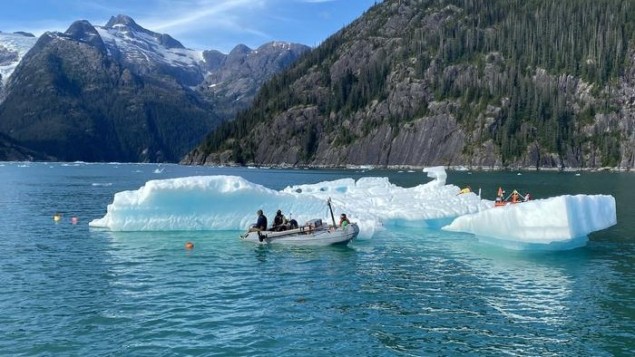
[83, 31]
[124, 21]
[80, 26]
[240, 50]
[25, 34]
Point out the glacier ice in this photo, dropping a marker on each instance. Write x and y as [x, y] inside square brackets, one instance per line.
[559, 222]
[231, 202]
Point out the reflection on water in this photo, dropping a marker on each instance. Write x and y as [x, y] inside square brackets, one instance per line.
[495, 295]
[525, 291]
[515, 245]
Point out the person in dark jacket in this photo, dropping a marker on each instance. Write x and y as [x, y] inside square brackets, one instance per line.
[261, 224]
[279, 222]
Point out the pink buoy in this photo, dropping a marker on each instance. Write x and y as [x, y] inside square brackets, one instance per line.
[74, 220]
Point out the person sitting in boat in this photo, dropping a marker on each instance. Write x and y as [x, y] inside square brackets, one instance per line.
[500, 197]
[279, 222]
[500, 194]
[344, 220]
[515, 196]
[261, 224]
[467, 189]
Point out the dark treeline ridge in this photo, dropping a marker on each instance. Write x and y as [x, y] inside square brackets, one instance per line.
[521, 55]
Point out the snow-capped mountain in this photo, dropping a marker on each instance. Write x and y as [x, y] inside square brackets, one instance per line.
[144, 49]
[13, 47]
[120, 92]
[140, 45]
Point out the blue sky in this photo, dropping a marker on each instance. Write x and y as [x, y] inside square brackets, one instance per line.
[198, 24]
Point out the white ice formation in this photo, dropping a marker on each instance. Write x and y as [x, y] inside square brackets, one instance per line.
[557, 223]
[230, 203]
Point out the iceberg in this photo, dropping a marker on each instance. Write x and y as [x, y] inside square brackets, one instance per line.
[376, 202]
[556, 223]
[230, 203]
[198, 203]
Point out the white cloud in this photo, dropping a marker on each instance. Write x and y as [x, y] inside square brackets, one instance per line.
[202, 23]
[199, 11]
[183, 18]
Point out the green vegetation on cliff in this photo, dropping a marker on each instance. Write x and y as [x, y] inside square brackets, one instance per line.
[540, 80]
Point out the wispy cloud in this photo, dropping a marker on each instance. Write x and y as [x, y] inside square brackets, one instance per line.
[200, 11]
[204, 23]
[180, 18]
[171, 16]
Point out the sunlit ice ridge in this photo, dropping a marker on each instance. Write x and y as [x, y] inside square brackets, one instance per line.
[231, 202]
[557, 223]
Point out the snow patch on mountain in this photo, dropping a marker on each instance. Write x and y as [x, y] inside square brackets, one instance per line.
[144, 48]
[13, 47]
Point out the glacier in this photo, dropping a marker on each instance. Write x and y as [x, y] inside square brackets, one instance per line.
[16, 43]
[140, 47]
[230, 203]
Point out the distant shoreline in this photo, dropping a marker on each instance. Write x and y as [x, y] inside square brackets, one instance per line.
[361, 167]
[417, 167]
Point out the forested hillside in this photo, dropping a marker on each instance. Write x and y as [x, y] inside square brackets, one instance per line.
[12, 151]
[494, 83]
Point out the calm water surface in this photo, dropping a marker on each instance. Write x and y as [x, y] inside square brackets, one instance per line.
[67, 290]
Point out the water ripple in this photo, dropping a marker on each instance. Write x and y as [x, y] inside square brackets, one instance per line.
[70, 291]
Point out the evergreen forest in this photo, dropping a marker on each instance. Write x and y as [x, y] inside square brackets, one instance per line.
[551, 71]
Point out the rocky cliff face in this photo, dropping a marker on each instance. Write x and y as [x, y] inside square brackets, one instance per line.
[476, 83]
[12, 151]
[233, 80]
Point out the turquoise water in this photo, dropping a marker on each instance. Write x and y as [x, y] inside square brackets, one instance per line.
[68, 290]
